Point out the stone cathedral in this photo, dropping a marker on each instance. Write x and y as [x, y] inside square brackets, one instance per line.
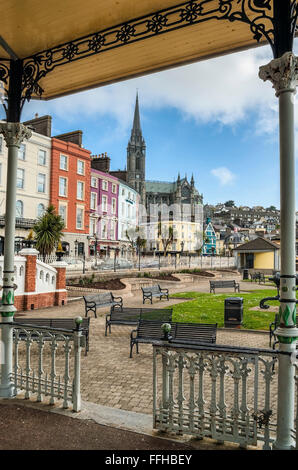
[154, 192]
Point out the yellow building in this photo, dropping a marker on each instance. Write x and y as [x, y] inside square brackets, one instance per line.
[259, 254]
[187, 236]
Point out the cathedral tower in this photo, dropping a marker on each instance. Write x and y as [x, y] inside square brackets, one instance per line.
[136, 153]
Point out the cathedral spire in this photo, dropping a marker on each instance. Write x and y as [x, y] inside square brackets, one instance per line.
[136, 129]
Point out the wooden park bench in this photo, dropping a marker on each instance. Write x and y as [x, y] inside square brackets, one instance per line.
[257, 277]
[223, 285]
[56, 323]
[131, 316]
[105, 299]
[149, 331]
[154, 291]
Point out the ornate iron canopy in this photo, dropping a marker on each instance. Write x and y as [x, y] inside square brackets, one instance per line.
[124, 45]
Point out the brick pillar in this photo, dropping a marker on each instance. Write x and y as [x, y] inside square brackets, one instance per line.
[61, 292]
[30, 299]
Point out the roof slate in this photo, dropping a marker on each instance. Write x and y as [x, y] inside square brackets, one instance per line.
[258, 244]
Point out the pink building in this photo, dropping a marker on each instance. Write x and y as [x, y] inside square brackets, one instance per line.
[104, 193]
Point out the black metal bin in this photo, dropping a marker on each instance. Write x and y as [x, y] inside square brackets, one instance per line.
[233, 312]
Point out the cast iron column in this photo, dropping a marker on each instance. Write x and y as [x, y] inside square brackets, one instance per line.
[282, 72]
[14, 134]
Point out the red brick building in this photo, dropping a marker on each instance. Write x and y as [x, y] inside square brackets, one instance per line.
[70, 189]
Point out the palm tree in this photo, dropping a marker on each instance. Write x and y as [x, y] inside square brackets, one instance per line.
[48, 231]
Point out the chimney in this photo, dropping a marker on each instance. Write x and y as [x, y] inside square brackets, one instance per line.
[42, 125]
[74, 137]
[101, 162]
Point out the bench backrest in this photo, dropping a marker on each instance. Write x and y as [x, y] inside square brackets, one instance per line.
[164, 315]
[63, 323]
[197, 332]
[105, 297]
[151, 329]
[154, 289]
[222, 283]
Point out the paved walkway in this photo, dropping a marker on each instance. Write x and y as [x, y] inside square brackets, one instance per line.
[109, 377]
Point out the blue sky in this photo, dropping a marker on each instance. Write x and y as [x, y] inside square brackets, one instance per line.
[215, 119]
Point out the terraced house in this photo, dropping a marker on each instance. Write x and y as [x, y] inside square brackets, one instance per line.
[104, 192]
[33, 183]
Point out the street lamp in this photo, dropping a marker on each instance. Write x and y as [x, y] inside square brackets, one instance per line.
[76, 247]
[95, 249]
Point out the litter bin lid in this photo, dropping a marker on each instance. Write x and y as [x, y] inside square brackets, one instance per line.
[234, 299]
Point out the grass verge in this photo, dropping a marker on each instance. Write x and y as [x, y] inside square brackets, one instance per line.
[209, 308]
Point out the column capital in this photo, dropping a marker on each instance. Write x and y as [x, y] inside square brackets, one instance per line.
[14, 133]
[282, 72]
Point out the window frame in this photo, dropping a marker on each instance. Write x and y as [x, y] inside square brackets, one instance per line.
[44, 182]
[79, 208]
[45, 157]
[83, 166]
[66, 159]
[66, 186]
[82, 184]
[23, 178]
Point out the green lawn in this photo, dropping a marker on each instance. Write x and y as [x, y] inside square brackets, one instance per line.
[209, 308]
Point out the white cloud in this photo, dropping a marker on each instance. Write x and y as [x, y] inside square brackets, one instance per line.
[222, 90]
[224, 175]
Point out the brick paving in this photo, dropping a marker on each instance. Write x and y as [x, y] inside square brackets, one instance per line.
[108, 376]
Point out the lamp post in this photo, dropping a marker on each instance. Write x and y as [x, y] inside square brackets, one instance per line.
[95, 250]
[76, 243]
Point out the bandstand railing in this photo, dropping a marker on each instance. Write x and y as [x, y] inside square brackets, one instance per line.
[46, 363]
[224, 393]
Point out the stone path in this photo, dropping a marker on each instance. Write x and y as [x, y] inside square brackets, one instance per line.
[108, 376]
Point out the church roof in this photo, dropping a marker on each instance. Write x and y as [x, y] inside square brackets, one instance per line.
[160, 187]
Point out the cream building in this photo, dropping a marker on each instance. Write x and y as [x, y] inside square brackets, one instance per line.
[33, 183]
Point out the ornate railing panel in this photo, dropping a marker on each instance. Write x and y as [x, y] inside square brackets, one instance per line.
[46, 363]
[217, 392]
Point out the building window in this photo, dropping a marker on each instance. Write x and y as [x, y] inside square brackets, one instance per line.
[92, 226]
[80, 190]
[81, 167]
[103, 229]
[20, 178]
[41, 183]
[0, 173]
[93, 200]
[19, 209]
[104, 185]
[80, 215]
[114, 188]
[93, 182]
[22, 152]
[104, 203]
[63, 162]
[42, 157]
[123, 192]
[1, 144]
[113, 205]
[40, 210]
[62, 213]
[112, 230]
[62, 186]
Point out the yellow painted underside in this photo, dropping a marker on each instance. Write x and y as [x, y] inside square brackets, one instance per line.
[31, 26]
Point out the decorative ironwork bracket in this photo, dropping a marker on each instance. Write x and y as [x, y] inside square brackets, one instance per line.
[257, 14]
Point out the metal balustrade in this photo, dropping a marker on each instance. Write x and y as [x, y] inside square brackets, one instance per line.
[224, 393]
[46, 363]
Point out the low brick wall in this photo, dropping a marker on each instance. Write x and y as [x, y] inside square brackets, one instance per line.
[36, 301]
